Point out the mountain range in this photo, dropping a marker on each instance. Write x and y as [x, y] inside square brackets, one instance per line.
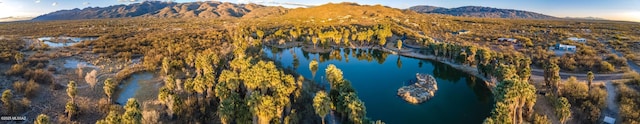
[166, 9]
[212, 9]
[479, 11]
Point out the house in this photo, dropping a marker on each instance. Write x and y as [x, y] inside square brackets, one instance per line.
[565, 47]
[579, 40]
[462, 32]
[512, 40]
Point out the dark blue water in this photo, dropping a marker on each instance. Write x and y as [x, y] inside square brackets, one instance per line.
[376, 76]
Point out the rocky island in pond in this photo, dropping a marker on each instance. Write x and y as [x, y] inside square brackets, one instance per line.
[423, 90]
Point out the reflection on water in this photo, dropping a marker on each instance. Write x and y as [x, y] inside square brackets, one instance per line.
[56, 42]
[376, 76]
[74, 63]
[129, 88]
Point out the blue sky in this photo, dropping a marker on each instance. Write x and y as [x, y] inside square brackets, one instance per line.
[610, 9]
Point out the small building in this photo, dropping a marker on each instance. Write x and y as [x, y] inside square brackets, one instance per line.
[565, 47]
[579, 40]
[609, 120]
[512, 40]
[462, 32]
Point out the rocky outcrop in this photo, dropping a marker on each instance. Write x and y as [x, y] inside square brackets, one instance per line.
[424, 89]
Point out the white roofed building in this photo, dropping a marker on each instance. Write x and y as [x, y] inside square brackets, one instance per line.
[579, 40]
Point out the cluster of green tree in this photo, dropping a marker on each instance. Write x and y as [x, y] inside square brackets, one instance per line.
[359, 54]
[515, 98]
[326, 35]
[487, 61]
[255, 91]
[629, 99]
[132, 114]
[587, 99]
[562, 107]
[344, 98]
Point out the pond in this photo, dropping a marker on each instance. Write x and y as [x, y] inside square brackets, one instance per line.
[55, 42]
[376, 76]
[140, 86]
[74, 63]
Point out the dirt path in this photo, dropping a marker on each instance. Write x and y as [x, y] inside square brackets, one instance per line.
[564, 75]
[612, 106]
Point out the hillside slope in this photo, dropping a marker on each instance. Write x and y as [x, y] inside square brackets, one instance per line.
[164, 9]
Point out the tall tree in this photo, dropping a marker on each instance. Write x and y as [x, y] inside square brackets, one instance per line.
[6, 101]
[524, 68]
[42, 119]
[109, 88]
[514, 97]
[166, 65]
[263, 107]
[313, 66]
[112, 118]
[356, 110]
[552, 76]
[19, 57]
[471, 54]
[333, 75]
[71, 109]
[399, 44]
[590, 78]
[71, 90]
[322, 104]
[132, 114]
[483, 58]
[563, 109]
[227, 108]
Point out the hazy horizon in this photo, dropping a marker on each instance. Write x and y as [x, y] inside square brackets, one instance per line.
[624, 10]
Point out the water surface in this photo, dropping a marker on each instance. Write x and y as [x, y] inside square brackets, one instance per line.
[131, 87]
[376, 76]
[74, 63]
[55, 42]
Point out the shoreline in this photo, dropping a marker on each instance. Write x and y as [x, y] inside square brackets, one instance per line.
[467, 69]
[409, 52]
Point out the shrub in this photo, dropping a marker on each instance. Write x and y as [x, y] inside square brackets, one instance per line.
[40, 65]
[29, 89]
[91, 78]
[51, 68]
[150, 117]
[40, 76]
[541, 119]
[575, 91]
[19, 86]
[606, 67]
[16, 69]
[42, 119]
[629, 100]
[104, 105]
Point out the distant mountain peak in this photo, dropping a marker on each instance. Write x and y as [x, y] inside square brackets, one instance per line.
[208, 9]
[480, 11]
[586, 18]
